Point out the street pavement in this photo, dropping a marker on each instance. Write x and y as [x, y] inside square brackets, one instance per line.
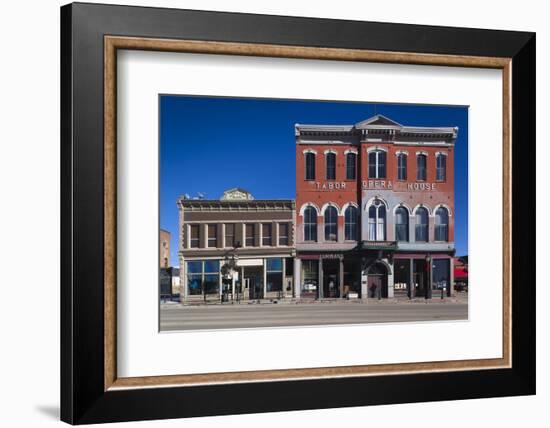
[178, 317]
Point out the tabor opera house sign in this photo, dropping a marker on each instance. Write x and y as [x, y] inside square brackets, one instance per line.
[374, 184]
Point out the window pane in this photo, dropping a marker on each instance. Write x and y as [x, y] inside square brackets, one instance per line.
[372, 165]
[310, 166]
[441, 164]
[266, 234]
[283, 234]
[331, 166]
[274, 264]
[421, 167]
[211, 266]
[350, 166]
[372, 223]
[229, 235]
[331, 225]
[212, 235]
[211, 284]
[402, 224]
[351, 223]
[402, 167]
[381, 164]
[381, 224]
[194, 232]
[421, 229]
[310, 224]
[194, 286]
[249, 231]
[274, 281]
[194, 267]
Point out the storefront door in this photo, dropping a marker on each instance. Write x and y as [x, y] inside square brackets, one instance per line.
[377, 281]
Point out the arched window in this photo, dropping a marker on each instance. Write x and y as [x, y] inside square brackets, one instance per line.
[421, 161]
[401, 166]
[421, 227]
[331, 224]
[440, 167]
[402, 224]
[377, 221]
[350, 223]
[351, 162]
[377, 164]
[310, 224]
[441, 224]
[310, 166]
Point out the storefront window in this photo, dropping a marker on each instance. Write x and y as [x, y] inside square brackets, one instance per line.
[311, 277]
[441, 274]
[274, 274]
[203, 277]
[194, 267]
[194, 284]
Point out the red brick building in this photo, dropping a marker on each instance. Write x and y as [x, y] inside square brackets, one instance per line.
[374, 209]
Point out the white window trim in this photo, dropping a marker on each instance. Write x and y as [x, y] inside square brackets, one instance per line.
[441, 206]
[309, 204]
[331, 204]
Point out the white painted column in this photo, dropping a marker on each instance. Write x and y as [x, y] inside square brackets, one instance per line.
[265, 277]
[183, 280]
[283, 273]
[451, 284]
[364, 286]
[390, 283]
[320, 279]
[297, 277]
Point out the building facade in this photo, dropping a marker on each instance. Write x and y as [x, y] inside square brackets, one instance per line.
[374, 210]
[256, 235]
[164, 251]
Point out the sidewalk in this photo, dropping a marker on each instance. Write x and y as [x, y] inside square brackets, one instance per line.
[397, 300]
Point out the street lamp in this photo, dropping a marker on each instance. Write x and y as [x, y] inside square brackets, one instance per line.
[228, 270]
[428, 273]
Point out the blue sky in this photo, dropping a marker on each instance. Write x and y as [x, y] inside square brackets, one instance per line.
[210, 144]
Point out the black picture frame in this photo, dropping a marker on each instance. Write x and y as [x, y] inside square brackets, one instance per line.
[83, 398]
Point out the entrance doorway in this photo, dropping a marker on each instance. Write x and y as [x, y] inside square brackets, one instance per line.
[377, 281]
[331, 283]
[253, 282]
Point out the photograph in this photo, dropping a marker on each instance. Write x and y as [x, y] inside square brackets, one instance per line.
[291, 212]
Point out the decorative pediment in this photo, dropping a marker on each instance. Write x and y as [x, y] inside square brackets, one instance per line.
[378, 121]
[237, 194]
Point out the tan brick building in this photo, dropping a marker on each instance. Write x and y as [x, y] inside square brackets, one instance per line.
[259, 234]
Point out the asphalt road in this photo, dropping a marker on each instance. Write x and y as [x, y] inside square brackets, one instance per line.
[177, 317]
